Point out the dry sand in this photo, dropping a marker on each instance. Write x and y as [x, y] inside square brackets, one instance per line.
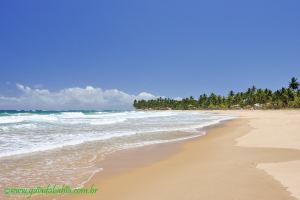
[276, 129]
[254, 157]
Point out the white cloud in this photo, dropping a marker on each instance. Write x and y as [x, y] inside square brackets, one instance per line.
[71, 98]
[178, 98]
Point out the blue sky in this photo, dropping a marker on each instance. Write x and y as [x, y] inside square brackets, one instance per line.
[167, 48]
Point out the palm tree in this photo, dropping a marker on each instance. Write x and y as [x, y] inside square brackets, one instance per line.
[282, 98]
[293, 84]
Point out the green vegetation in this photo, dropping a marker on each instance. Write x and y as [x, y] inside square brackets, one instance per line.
[253, 98]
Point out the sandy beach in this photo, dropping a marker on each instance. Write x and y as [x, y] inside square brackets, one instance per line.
[150, 100]
[256, 156]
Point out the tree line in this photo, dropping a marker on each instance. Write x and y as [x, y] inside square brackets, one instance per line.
[252, 98]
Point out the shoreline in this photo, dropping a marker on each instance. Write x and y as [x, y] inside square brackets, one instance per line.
[213, 166]
[124, 161]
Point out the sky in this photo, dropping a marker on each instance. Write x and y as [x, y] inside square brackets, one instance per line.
[142, 49]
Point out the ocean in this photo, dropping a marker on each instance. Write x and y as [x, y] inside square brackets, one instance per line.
[66, 147]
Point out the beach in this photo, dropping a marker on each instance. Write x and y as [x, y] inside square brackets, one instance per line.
[150, 100]
[42, 148]
[253, 157]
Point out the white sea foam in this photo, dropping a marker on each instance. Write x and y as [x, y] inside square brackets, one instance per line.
[146, 143]
[27, 118]
[24, 133]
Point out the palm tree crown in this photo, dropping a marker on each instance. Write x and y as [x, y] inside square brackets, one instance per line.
[293, 84]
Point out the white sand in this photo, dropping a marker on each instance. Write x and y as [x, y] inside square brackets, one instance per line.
[276, 129]
[288, 173]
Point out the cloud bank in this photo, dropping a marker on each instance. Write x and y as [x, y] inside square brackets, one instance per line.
[75, 98]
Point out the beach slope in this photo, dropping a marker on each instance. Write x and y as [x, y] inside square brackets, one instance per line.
[253, 157]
